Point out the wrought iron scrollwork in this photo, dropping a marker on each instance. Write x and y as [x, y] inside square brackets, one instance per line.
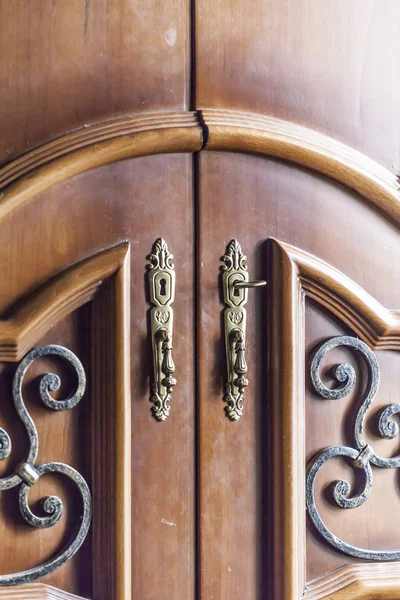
[27, 473]
[361, 455]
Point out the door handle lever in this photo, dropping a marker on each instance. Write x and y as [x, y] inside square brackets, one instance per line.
[235, 281]
[162, 294]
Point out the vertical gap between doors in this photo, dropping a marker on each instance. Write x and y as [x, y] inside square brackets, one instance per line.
[196, 297]
[196, 355]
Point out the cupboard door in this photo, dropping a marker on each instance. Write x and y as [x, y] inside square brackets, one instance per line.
[326, 279]
[291, 82]
[74, 259]
[97, 70]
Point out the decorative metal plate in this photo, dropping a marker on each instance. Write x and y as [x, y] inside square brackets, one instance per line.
[361, 455]
[234, 270]
[27, 473]
[162, 293]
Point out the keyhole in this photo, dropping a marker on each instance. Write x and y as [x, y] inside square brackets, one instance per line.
[236, 291]
[163, 283]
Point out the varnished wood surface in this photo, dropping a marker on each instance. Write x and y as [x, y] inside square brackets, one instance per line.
[110, 436]
[244, 132]
[266, 199]
[375, 581]
[92, 136]
[208, 129]
[180, 135]
[129, 201]
[44, 308]
[37, 591]
[324, 65]
[69, 64]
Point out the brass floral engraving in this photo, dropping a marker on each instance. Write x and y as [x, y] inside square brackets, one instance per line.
[235, 317]
[162, 317]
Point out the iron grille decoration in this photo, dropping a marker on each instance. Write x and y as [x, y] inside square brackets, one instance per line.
[27, 473]
[361, 454]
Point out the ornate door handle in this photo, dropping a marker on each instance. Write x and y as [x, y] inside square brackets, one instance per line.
[162, 293]
[235, 281]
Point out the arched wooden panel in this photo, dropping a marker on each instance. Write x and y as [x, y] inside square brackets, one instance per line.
[208, 129]
[296, 274]
[100, 282]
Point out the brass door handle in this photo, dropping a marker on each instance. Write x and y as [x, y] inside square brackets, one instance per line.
[162, 293]
[235, 281]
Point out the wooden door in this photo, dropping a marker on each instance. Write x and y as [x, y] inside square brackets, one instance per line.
[275, 125]
[74, 263]
[300, 103]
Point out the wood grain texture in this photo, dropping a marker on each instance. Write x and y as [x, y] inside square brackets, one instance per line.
[293, 276]
[132, 201]
[77, 153]
[111, 437]
[251, 198]
[92, 136]
[328, 66]
[110, 474]
[235, 131]
[65, 65]
[37, 591]
[378, 326]
[224, 130]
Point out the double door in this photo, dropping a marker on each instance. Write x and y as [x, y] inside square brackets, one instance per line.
[192, 442]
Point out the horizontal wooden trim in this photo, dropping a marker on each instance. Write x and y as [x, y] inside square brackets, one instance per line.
[237, 131]
[36, 591]
[375, 581]
[192, 131]
[90, 135]
[77, 152]
[56, 299]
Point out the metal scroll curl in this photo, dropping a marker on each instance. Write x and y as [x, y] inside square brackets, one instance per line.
[27, 473]
[361, 455]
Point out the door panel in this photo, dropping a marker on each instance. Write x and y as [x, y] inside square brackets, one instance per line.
[328, 66]
[65, 65]
[237, 537]
[198, 505]
[329, 423]
[135, 202]
[59, 436]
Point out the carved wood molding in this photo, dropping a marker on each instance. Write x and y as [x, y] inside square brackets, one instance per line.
[94, 146]
[104, 281]
[237, 131]
[378, 326]
[294, 275]
[206, 129]
[36, 591]
[69, 290]
[111, 436]
[377, 581]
